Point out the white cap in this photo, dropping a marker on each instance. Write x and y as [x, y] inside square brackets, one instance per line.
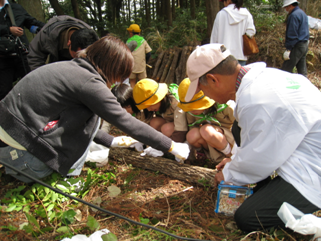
[203, 59]
[288, 2]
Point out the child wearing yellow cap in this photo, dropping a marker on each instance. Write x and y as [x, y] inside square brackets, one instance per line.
[155, 97]
[124, 96]
[205, 124]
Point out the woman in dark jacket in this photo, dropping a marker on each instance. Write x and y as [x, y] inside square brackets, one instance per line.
[52, 115]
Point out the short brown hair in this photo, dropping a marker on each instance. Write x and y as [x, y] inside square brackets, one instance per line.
[111, 57]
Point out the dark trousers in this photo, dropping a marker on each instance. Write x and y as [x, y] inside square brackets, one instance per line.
[297, 59]
[11, 68]
[259, 211]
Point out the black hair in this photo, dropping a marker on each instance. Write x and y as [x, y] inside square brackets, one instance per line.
[124, 95]
[295, 4]
[238, 3]
[165, 103]
[82, 38]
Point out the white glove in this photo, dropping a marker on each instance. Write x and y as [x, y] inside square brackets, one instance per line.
[150, 151]
[180, 151]
[286, 55]
[138, 146]
[124, 141]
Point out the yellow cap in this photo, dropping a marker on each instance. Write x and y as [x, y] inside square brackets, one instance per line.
[198, 102]
[134, 28]
[148, 92]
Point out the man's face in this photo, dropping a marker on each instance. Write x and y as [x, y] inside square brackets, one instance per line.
[215, 91]
[289, 8]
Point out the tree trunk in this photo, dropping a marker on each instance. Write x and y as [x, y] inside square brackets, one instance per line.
[75, 9]
[158, 63]
[34, 8]
[168, 13]
[147, 9]
[193, 174]
[212, 8]
[173, 10]
[55, 5]
[192, 2]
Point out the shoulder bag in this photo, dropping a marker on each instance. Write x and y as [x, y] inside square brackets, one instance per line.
[249, 45]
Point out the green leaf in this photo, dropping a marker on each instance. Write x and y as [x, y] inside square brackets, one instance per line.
[26, 209]
[68, 217]
[32, 220]
[47, 197]
[62, 188]
[50, 207]
[54, 197]
[29, 195]
[92, 223]
[11, 208]
[109, 237]
[18, 208]
[62, 229]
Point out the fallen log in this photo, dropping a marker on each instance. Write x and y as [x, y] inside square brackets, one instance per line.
[184, 172]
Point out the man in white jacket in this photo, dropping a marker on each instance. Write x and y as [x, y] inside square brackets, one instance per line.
[280, 120]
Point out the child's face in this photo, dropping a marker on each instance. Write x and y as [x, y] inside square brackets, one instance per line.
[197, 112]
[129, 109]
[155, 107]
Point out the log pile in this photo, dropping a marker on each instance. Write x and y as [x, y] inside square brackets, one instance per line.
[170, 65]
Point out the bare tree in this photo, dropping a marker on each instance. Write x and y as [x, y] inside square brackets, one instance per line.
[192, 2]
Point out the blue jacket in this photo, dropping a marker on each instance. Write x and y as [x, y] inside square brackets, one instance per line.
[297, 28]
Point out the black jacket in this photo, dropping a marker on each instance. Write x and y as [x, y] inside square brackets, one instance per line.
[22, 18]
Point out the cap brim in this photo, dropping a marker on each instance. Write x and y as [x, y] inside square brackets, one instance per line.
[191, 90]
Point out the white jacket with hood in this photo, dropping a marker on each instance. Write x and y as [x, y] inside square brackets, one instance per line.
[229, 26]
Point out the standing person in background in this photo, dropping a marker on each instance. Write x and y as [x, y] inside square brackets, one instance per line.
[141, 54]
[296, 39]
[14, 65]
[230, 24]
[53, 40]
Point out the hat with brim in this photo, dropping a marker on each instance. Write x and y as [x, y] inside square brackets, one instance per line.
[203, 59]
[199, 101]
[288, 2]
[148, 92]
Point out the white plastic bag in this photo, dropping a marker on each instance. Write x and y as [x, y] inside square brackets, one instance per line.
[305, 224]
[98, 154]
[96, 236]
[314, 23]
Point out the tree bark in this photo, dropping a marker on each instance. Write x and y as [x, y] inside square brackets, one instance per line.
[75, 9]
[192, 2]
[34, 8]
[180, 66]
[55, 5]
[193, 174]
[169, 13]
[147, 9]
[158, 63]
[173, 10]
[212, 8]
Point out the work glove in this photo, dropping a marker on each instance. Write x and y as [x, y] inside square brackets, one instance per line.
[286, 55]
[127, 142]
[150, 151]
[180, 151]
